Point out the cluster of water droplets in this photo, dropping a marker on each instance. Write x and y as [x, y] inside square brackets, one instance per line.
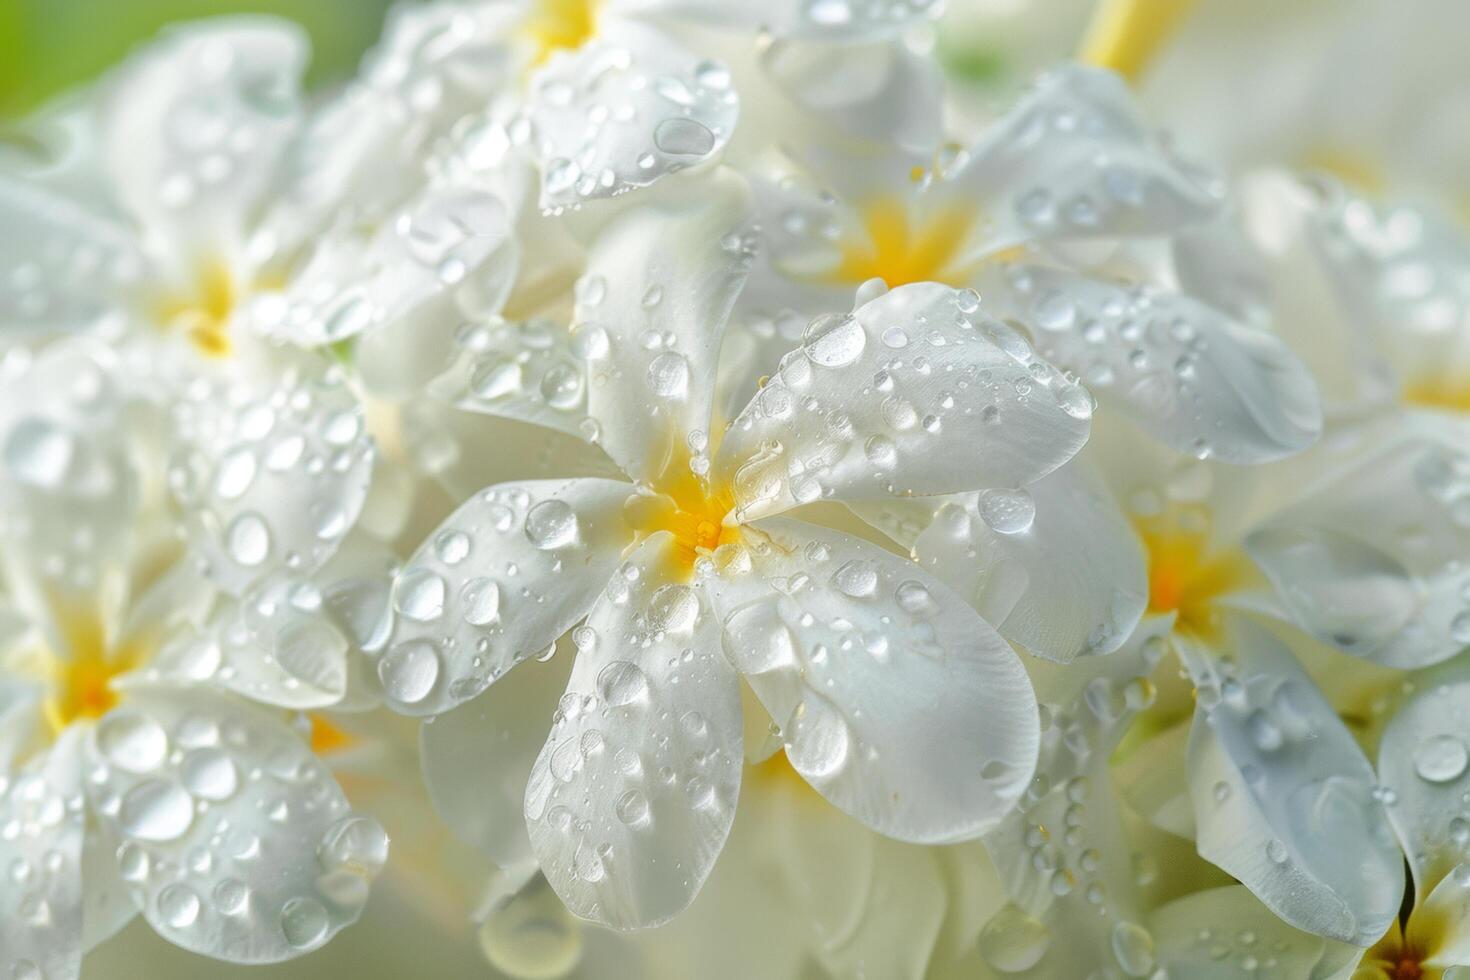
[1067, 863]
[910, 375]
[231, 836]
[643, 754]
[609, 119]
[270, 478]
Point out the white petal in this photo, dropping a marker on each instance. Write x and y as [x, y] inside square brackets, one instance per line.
[274, 468]
[503, 577]
[1055, 567]
[824, 20]
[363, 152]
[239, 842]
[69, 486]
[632, 797]
[446, 242]
[195, 129]
[1073, 159]
[659, 285]
[915, 393]
[1192, 377]
[896, 701]
[477, 757]
[1422, 758]
[41, 903]
[623, 110]
[1215, 934]
[64, 268]
[280, 646]
[1370, 559]
[1282, 791]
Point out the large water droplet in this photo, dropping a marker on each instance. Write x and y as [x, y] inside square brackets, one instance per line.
[551, 524]
[248, 539]
[303, 922]
[409, 670]
[668, 375]
[210, 774]
[856, 578]
[481, 599]
[418, 594]
[1440, 758]
[1007, 511]
[834, 340]
[817, 739]
[1013, 941]
[673, 609]
[685, 137]
[156, 810]
[178, 906]
[132, 741]
[622, 682]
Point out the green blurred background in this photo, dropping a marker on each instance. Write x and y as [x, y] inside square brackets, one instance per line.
[47, 46]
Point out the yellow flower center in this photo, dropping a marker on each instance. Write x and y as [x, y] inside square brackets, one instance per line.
[1125, 35]
[204, 316]
[1185, 576]
[1445, 392]
[560, 25]
[1399, 955]
[1355, 170]
[81, 684]
[694, 512]
[899, 248]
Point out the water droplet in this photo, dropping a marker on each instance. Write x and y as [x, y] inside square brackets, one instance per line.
[132, 741]
[156, 810]
[409, 670]
[481, 599]
[1013, 941]
[1007, 511]
[495, 377]
[235, 474]
[632, 808]
[817, 740]
[231, 896]
[622, 682]
[210, 774]
[683, 136]
[1133, 948]
[1441, 758]
[303, 922]
[248, 539]
[418, 594]
[673, 609]
[668, 375]
[551, 524]
[834, 340]
[856, 578]
[178, 905]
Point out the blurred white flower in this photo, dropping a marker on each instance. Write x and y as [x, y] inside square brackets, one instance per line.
[132, 779]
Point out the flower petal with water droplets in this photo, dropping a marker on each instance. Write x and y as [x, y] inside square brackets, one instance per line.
[1424, 758]
[1055, 567]
[503, 577]
[239, 842]
[41, 903]
[1371, 558]
[476, 759]
[815, 20]
[967, 405]
[623, 110]
[1282, 791]
[195, 126]
[1215, 935]
[1073, 159]
[896, 701]
[273, 471]
[660, 282]
[634, 793]
[1201, 382]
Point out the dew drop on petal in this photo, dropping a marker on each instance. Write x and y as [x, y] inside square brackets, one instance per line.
[834, 340]
[684, 137]
[248, 539]
[156, 810]
[132, 741]
[622, 682]
[178, 906]
[303, 922]
[409, 670]
[551, 524]
[1440, 758]
[1013, 941]
[1007, 511]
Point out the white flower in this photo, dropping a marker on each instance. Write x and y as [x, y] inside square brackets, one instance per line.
[131, 778]
[895, 700]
